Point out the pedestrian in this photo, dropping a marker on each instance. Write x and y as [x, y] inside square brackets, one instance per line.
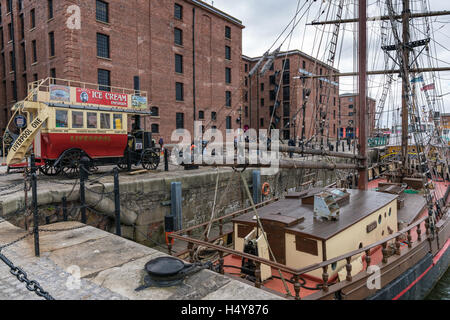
[161, 142]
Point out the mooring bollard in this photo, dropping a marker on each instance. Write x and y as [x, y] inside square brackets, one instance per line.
[117, 201]
[256, 181]
[35, 206]
[166, 160]
[83, 177]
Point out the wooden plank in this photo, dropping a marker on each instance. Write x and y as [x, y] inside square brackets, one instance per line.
[133, 173]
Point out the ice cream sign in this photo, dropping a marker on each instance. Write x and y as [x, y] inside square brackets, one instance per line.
[102, 97]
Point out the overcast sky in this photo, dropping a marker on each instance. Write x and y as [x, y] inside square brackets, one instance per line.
[264, 21]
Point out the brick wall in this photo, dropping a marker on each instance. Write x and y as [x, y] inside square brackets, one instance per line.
[141, 37]
[256, 94]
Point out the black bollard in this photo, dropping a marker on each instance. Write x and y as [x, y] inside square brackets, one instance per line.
[117, 202]
[35, 207]
[64, 203]
[84, 163]
[166, 160]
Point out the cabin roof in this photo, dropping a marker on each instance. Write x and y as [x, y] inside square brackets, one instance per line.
[361, 205]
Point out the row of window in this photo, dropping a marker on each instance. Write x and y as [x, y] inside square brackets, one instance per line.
[179, 94]
[179, 120]
[87, 120]
[178, 14]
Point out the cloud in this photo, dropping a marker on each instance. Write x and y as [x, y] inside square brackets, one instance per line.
[264, 20]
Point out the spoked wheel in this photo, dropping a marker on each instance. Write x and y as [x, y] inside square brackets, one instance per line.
[150, 160]
[122, 164]
[70, 164]
[49, 170]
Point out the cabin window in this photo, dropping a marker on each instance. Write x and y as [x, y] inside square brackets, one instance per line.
[77, 119]
[390, 211]
[306, 245]
[117, 121]
[244, 230]
[379, 219]
[92, 120]
[61, 119]
[105, 121]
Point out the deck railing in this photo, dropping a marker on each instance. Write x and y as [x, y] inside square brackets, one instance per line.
[297, 279]
[44, 85]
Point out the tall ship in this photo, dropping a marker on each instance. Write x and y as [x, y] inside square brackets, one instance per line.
[381, 230]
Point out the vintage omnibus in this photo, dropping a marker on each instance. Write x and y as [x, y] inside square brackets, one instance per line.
[67, 120]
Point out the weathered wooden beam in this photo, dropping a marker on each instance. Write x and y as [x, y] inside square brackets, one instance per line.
[289, 164]
[379, 18]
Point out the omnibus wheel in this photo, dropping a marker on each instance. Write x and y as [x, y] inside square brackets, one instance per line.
[49, 170]
[70, 164]
[150, 160]
[122, 164]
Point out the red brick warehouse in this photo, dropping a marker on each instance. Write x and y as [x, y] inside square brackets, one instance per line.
[186, 54]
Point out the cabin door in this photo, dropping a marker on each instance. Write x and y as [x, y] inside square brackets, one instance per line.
[277, 240]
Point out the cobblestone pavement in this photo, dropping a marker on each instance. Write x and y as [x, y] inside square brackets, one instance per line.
[52, 278]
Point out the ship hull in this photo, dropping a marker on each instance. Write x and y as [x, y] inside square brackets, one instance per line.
[417, 282]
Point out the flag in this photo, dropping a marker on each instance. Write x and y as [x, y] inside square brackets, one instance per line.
[418, 79]
[428, 87]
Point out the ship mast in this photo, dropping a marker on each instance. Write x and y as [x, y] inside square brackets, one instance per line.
[362, 65]
[406, 13]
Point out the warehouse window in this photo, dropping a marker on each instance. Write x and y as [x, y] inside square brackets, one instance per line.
[22, 27]
[102, 12]
[53, 73]
[178, 63]
[155, 111]
[33, 18]
[180, 120]
[228, 122]
[179, 91]
[228, 98]
[50, 9]
[104, 80]
[155, 128]
[228, 54]
[10, 32]
[103, 46]
[178, 11]
[33, 45]
[227, 75]
[213, 116]
[201, 115]
[178, 36]
[51, 40]
[11, 61]
[227, 32]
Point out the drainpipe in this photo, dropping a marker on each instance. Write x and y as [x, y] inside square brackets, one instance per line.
[14, 53]
[193, 65]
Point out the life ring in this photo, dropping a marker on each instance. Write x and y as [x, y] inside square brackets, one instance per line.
[265, 189]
